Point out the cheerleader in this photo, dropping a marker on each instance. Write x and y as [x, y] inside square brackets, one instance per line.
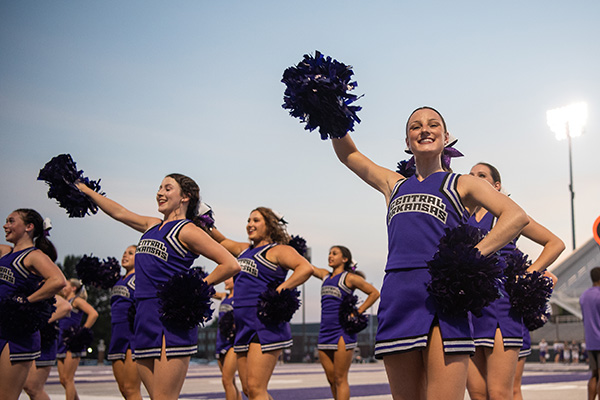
[224, 348]
[69, 355]
[167, 247]
[335, 345]
[40, 370]
[498, 332]
[264, 260]
[28, 262]
[425, 351]
[121, 339]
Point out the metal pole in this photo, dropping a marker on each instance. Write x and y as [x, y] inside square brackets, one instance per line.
[571, 189]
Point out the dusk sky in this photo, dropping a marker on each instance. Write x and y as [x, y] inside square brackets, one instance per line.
[135, 90]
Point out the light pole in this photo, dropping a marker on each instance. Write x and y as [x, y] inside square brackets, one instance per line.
[566, 123]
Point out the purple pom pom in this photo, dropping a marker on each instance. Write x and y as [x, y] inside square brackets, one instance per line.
[276, 308]
[101, 274]
[350, 320]
[78, 338]
[19, 317]
[49, 334]
[529, 292]
[131, 317]
[227, 327]
[317, 93]
[60, 174]
[463, 280]
[299, 244]
[185, 300]
[407, 168]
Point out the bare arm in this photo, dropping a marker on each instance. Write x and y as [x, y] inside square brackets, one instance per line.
[476, 192]
[198, 242]
[54, 280]
[320, 273]
[553, 246]
[235, 248]
[287, 257]
[92, 314]
[355, 281]
[116, 211]
[63, 308]
[381, 179]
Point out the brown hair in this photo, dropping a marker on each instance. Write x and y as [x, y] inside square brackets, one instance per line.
[275, 228]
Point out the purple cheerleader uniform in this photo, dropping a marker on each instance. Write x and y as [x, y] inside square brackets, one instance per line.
[73, 319]
[257, 272]
[498, 314]
[49, 348]
[14, 274]
[159, 255]
[418, 213]
[333, 292]
[526, 349]
[121, 299]
[223, 345]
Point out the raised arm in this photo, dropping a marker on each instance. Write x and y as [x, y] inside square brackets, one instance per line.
[287, 257]
[116, 211]
[198, 242]
[475, 192]
[54, 280]
[553, 246]
[381, 179]
[356, 282]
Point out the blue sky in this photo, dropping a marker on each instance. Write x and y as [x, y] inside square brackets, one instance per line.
[135, 90]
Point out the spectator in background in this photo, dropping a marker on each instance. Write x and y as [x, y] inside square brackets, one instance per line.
[543, 350]
[590, 311]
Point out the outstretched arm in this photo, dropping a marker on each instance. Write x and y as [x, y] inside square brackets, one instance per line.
[381, 179]
[553, 246]
[320, 273]
[116, 211]
[232, 246]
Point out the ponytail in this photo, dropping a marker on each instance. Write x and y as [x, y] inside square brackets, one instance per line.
[40, 231]
[79, 288]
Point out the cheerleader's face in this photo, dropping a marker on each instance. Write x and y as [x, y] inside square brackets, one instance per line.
[170, 198]
[256, 227]
[336, 258]
[68, 290]
[128, 259]
[483, 172]
[426, 132]
[15, 227]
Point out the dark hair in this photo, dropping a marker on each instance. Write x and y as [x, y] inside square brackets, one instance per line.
[347, 254]
[275, 228]
[190, 189]
[443, 123]
[39, 236]
[595, 274]
[494, 173]
[426, 108]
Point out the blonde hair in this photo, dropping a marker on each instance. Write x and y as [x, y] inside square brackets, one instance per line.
[79, 288]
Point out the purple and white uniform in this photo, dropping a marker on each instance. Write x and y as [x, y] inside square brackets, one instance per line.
[73, 319]
[499, 314]
[160, 255]
[121, 299]
[257, 272]
[223, 345]
[333, 292]
[14, 274]
[418, 213]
